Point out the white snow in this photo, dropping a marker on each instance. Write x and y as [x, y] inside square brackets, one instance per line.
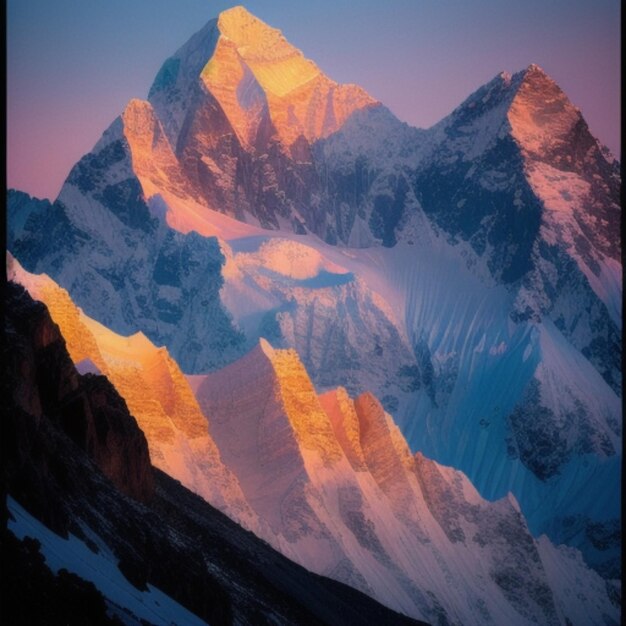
[565, 568]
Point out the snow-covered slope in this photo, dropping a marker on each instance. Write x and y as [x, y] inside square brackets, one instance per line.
[342, 494]
[424, 324]
[506, 266]
[512, 404]
[123, 265]
[292, 293]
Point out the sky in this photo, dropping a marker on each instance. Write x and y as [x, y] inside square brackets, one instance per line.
[72, 65]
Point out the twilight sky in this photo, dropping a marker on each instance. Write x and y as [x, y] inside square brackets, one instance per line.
[72, 65]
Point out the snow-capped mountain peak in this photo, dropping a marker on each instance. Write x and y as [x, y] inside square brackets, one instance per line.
[279, 66]
[540, 114]
[253, 72]
[481, 300]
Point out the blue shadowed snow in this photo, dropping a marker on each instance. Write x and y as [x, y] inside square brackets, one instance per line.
[101, 569]
[326, 279]
[247, 244]
[322, 280]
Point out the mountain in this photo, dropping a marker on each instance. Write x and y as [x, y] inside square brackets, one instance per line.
[296, 295]
[468, 275]
[342, 493]
[102, 537]
[329, 481]
[556, 227]
[241, 107]
[128, 266]
[155, 391]
[516, 189]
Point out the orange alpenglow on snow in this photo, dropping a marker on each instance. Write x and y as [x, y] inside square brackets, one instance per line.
[255, 66]
[541, 115]
[227, 126]
[339, 407]
[308, 419]
[153, 159]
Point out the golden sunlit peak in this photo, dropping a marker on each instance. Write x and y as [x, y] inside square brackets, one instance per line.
[277, 65]
[238, 11]
[245, 29]
[533, 67]
[537, 75]
[137, 103]
[254, 71]
[138, 115]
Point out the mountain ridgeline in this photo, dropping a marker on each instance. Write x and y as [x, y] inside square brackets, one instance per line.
[354, 307]
[327, 480]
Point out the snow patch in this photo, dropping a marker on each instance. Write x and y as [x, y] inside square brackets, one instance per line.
[101, 569]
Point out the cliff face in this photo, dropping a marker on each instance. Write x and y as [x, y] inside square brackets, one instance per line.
[340, 492]
[43, 389]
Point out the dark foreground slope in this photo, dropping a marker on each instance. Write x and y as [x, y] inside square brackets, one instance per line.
[75, 459]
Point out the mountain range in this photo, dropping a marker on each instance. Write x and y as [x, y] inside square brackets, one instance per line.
[393, 354]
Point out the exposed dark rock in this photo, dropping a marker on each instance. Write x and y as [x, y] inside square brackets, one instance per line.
[126, 202]
[462, 202]
[601, 541]
[87, 409]
[38, 229]
[90, 172]
[33, 596]
[544, 441]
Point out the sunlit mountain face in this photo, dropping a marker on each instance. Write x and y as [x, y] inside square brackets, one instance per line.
[391, 355]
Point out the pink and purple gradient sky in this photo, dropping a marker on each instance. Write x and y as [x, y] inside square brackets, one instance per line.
[72, 65]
